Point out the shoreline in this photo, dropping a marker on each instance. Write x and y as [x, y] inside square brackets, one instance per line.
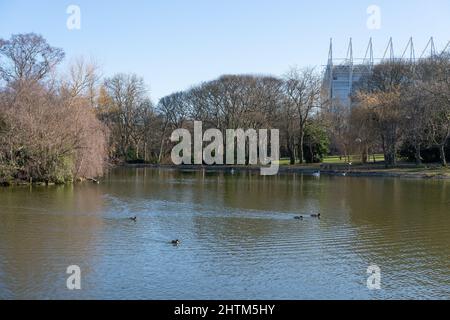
[407, 173]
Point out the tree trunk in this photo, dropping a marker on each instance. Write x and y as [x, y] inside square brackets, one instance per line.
[442, 153]
[145, 151]
[161, 150]
[365, 155]
[300, 152]
[418, 157]
[390, 150]
[162, 142]
[385, 152]
[291, 152]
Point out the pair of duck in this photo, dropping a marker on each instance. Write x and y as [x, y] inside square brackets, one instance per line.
[315, 215]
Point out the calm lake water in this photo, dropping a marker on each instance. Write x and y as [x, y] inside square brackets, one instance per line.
[239, 237]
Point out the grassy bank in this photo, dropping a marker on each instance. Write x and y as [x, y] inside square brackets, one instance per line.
[403, 170]
[333, 166]
[377, 158]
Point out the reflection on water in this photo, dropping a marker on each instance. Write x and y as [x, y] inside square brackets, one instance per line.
[239, 238]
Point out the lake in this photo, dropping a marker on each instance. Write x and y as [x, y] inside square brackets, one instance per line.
[239, 238]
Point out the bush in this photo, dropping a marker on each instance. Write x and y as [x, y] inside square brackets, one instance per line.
[50, 137]
[316, 145]
[428, 155]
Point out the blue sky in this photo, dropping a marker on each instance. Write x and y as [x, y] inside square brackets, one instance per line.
[174, 44]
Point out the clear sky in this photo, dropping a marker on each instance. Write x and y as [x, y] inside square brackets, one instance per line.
[174, 44]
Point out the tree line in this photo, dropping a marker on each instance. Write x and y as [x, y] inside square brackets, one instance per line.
[61, 126]
[403, 109]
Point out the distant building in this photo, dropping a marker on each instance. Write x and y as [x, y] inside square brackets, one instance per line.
[342, 76]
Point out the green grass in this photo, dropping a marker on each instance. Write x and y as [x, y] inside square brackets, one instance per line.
[284, 162]
[354, 159]
[337, 160]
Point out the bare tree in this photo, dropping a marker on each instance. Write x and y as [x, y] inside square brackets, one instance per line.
[126, 96]
[174, 111]
[382, 93]
[48, 133]
[27, 57]
[303, 89]
[82, 79]
[437, 86]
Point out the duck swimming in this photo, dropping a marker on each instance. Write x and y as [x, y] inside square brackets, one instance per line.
[315, 215]
[175, 242]
[133, 219]
[298, 218]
